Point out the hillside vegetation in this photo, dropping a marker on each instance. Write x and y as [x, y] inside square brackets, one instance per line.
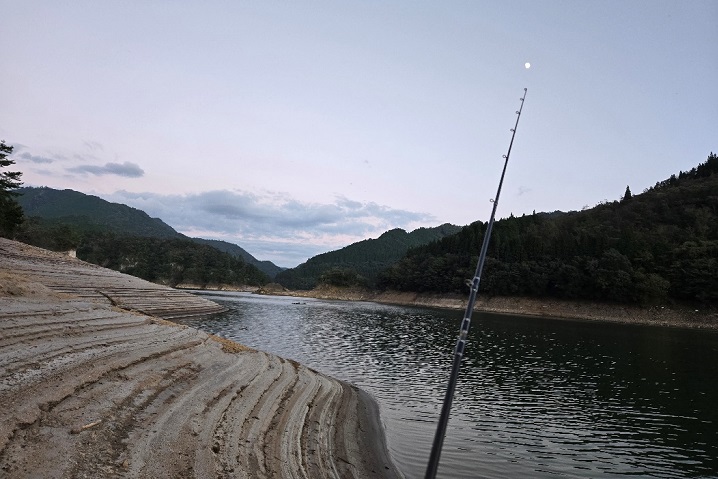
[126, 239]
[83, 213]
[359, 264]
[267, 267]
[170, 261]
[649, 248]
[60, 220]
[657, 247]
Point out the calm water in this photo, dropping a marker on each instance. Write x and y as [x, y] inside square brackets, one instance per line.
[536, 397]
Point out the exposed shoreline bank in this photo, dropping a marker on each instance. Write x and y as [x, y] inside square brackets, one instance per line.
[666, 316]
[98, 383]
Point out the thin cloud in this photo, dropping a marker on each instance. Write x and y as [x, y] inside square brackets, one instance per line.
[523, 189]
[126, 169]
[35, 158]
[94, 146]
[273, 226]
[17, 147]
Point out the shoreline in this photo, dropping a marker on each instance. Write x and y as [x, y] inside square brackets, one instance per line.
[97, 386]
[663, 316]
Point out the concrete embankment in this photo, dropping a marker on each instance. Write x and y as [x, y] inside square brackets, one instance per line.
[94, 382]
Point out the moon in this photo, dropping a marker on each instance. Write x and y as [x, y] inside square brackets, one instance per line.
[527, 65]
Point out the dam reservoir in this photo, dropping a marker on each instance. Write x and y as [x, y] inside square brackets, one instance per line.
[536, 397]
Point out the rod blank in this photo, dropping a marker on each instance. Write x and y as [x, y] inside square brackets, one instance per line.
[466, 323]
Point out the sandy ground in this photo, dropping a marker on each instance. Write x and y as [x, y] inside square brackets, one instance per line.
[94, 382]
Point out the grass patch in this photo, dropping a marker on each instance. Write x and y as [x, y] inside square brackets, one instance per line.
[229, 346]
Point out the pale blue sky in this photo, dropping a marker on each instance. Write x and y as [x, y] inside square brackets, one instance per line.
[294, 128]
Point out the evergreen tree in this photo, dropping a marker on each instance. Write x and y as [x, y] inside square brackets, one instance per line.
[627, 195]
[657, 248]
[10, 210]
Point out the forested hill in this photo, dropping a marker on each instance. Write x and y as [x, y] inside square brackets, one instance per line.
[90, 213]
[59, 219]
[269, 268]
[650, 248]
[360, 263]
[126, 239]
[170, 261]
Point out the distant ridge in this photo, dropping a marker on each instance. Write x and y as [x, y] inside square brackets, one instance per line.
[363, 261]
[269, 268]
[88, 213]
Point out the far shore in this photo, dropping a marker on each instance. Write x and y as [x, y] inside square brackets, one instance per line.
[676, 316]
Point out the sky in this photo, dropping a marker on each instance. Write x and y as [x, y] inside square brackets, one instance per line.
[296, 128]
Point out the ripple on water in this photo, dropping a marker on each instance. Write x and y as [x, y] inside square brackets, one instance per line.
[536, 397]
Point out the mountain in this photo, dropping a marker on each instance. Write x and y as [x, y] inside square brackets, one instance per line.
[657, 247]
[89, 214]
[363, 261]
[269, 268]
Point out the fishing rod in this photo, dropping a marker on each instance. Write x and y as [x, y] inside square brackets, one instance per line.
[466, 323]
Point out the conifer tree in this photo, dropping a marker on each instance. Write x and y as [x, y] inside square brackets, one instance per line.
[10, 211]
[627, 195]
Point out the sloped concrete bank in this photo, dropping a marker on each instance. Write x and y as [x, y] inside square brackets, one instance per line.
[95, 382]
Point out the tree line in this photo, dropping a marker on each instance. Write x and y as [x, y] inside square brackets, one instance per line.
[649, 248]
[655, 247]
[360, 264]
[168, 261]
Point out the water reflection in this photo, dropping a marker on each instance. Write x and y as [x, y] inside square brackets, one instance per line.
[536, 397]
